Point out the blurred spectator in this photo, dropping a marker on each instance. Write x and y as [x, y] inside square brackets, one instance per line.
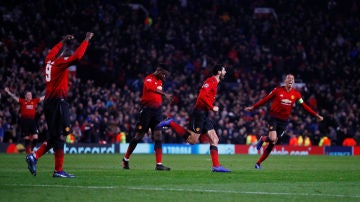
[349, 142]
[325, 141]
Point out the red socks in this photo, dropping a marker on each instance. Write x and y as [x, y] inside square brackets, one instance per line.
[214, 155]
[59, 159]
[158, 155]
[177, 128]
[58, 154]
[266, 153]
[42, 150]
[265, 138]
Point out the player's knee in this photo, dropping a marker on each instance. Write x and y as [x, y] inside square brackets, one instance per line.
[214, 140]
[273, 140]
[273, 137]
[191, 137]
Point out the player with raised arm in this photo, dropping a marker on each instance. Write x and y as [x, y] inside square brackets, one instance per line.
[29, 129]
[283, 99]
[56, 108]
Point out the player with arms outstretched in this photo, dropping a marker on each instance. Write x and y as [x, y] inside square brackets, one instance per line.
[29, 129]
[283, 99]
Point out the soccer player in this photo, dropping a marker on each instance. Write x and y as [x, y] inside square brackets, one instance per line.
[29, 129]
[283, 99]
[150, 115]
[199, 122]
[56, 108]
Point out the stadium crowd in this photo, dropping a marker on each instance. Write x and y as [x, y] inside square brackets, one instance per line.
[317, 41]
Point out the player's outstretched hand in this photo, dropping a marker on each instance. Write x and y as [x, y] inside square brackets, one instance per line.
[215, 109]
[89, 35]
[249, 108]
[319, 118]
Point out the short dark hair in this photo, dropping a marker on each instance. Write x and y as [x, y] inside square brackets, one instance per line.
[217, 68]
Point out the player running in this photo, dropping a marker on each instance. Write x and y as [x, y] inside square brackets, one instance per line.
[200, 123]
[150, 115]
[283, 99]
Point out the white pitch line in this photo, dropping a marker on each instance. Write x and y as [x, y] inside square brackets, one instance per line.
[186, 190]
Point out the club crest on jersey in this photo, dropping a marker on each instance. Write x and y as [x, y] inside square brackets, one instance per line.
[292, 97]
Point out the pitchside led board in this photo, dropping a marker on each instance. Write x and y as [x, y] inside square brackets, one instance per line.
[145, 148]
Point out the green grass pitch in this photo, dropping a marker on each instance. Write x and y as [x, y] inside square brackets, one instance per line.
[101, 178]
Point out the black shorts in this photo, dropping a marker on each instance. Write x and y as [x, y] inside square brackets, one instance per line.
[57, 118]
[148, 118]
[28, 127]
[200, 122]
[277, 125]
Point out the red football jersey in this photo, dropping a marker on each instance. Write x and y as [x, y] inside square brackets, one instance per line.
[28, 108]
[150, 97]
[56, 70]
[283, 102]
[207, 94]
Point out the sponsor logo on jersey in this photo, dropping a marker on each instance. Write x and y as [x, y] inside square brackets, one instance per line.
[29, 107]
[285, 101]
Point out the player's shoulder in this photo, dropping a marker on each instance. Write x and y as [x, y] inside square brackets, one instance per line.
[150, 78]
[211, 79]
[295, 92]
[208, 82]
[278, 89]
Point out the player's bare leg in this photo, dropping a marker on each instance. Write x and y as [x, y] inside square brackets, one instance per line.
[214, 141]
[158, 138]
[273, 139]
[133, 143]
[193, 137]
